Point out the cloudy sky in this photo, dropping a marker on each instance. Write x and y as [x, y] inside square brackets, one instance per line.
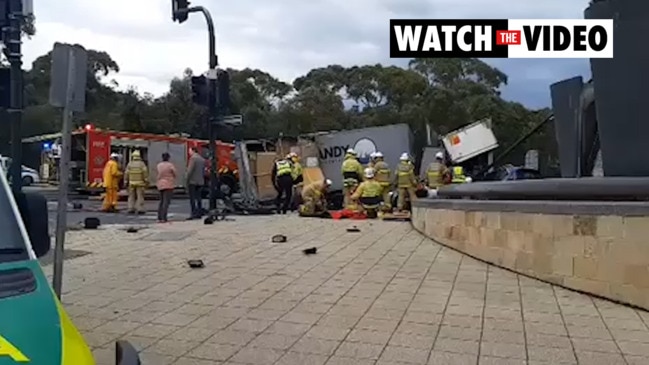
[284, 37]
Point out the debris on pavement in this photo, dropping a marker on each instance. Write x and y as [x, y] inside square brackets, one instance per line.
[77, 206]
[310, 251]
[353, 229]
[91, 223]
[208, 220]
[279, 238]
[132, 230]
[196, 264]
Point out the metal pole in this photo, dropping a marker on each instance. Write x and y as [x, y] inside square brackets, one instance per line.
[211, 102]
[62, 210]
[16, 99]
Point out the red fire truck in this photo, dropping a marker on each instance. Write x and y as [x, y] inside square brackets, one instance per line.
[91, 149]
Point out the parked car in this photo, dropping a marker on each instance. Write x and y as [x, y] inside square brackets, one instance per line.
[29, 176]
[512, 173]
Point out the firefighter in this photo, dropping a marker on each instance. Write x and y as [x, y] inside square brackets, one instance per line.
[352, 171]
[406, 181]
[382, 175]
[297, 169]
[283, 180]
[458, 175]
[298, 178]
[370, 192]
[136, 178]
[112, 176]
[314, 202]
[372, 160]
[437, 173]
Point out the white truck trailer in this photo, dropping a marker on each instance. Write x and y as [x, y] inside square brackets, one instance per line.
[391, 140]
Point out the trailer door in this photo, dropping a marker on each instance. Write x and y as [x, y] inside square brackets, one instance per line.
[178, 152]
[156, 149]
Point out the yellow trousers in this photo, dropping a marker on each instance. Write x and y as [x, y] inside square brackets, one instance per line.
[401, 200]
[110, 199]
[136, 198]
[386, 197]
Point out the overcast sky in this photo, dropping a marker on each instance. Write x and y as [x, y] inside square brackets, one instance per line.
[284, 37]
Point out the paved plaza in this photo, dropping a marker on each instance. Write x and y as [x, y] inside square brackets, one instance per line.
[386, 295]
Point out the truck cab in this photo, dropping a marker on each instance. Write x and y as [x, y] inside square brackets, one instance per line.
[34, 327]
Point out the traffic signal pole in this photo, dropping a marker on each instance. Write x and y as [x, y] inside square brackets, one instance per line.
[14, 54]
[211, 95]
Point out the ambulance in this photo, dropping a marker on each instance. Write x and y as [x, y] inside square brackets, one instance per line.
[34, 327]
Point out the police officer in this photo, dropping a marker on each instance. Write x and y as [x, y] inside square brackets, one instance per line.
[136, 178]
[406, 181]
[382, 175]
[352, 172]
[283, 180]
[437, 173]
[370, 192]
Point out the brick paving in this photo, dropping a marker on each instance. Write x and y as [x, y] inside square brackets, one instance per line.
[384, 296]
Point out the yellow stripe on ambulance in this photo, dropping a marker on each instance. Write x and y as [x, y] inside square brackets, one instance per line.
[7, 349]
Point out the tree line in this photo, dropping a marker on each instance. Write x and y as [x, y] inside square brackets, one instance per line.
[442, 93]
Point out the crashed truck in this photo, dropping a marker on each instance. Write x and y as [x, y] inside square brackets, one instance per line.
[322, 154]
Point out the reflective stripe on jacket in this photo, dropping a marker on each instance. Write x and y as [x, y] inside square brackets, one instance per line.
[382, 173]
[368, 189]
[137, 174]
[458, 175]
[284, 168]
[406, 175]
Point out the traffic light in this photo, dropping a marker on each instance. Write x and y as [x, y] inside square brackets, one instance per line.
[199, 90]
[223, 90]
[179, 11]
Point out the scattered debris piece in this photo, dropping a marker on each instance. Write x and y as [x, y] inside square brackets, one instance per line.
[278, 238]
[91, 223]
[77, 206]
[132, 230]
[353, 229]
[310, 251]
[196, 264]
[208, 220]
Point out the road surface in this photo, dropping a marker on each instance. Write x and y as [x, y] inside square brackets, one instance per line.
[178, 210]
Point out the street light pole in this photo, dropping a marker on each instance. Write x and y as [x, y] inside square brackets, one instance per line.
[211, 101]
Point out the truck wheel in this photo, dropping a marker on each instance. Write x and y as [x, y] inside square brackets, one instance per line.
[27, 180]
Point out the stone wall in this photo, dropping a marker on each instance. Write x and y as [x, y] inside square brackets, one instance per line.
[606, 255]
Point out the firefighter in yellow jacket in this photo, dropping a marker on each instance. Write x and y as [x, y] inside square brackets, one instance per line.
[298, 178]
[370, 192]
[382, 175]
[372, 161]
[406, 181]
[437, 173]
[136, 178]
[314, 201]
[352, 171]
[111, 175]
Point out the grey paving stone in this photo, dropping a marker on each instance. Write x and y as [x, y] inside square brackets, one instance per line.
[386, 296]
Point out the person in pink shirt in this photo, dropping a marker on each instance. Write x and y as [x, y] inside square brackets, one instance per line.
[166, 183]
